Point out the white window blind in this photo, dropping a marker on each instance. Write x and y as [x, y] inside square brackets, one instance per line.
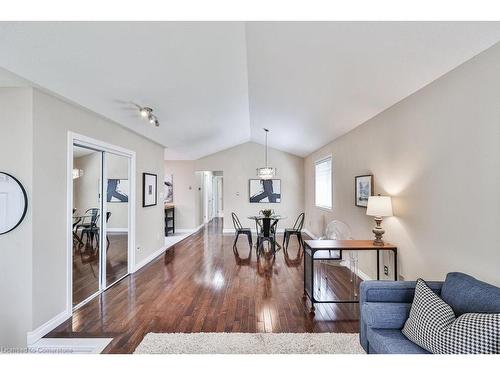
[323, 183]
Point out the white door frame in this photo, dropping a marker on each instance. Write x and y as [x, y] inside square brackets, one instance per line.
[98, 145]
[219, 186]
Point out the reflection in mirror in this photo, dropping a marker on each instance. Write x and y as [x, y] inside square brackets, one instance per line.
[13, 203]
[117, 207]
[86, 222]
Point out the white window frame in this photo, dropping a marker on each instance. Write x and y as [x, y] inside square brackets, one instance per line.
[329, 157]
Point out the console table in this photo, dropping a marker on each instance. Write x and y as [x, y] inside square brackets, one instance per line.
[321, 250]
[169, 219]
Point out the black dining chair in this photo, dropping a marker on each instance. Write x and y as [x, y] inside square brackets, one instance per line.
[296, 230]
[240, 230]
[94, 231]
[266, 232]
[89, 219]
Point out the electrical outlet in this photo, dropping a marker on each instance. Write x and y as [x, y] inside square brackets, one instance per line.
[386, 270]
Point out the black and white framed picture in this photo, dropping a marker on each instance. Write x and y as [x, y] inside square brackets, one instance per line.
[117, 191]
[169, 188]
[363, 189]
[265, 191]
[149, 189]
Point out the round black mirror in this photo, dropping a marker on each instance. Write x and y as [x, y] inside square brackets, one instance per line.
[13, 202]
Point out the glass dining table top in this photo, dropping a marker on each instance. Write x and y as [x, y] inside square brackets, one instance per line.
[261, 217]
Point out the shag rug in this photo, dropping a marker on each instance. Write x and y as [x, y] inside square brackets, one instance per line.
[250, 343]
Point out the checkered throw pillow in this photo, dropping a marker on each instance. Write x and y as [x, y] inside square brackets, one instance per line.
[433, 326]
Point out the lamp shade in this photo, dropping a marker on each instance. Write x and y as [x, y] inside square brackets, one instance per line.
[379, 206]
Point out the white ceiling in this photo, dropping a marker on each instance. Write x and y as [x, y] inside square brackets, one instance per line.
[214, 85]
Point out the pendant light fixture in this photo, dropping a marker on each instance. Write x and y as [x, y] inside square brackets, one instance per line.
[267, 172]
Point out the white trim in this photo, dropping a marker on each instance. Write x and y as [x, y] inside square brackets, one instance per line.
[150, 258]
[38, 333]
[117, 230]
[190, 230]
[160, 251]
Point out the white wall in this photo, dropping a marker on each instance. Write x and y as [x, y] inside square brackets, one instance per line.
[52, 119]
[438, 154]
[238, 165]
[16, 158]
[33, 147]
[186, 193]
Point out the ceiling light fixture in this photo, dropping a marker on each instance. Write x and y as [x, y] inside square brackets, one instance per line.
[147, 113]
[267, 172]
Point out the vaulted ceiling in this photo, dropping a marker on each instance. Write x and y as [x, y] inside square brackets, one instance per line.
[214, 85]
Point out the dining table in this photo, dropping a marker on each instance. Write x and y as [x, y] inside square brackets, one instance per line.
[263, 224]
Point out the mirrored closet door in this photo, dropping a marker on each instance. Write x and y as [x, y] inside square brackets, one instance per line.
[100, 221]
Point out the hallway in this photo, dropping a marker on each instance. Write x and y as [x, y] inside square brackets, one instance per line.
[201, 285]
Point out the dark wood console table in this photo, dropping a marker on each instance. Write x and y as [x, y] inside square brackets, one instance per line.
[169, 219]
[321, 250]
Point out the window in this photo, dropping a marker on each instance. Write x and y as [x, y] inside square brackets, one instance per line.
[323, 183]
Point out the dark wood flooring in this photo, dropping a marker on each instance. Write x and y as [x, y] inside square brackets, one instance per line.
[201, 285]
[86, 267]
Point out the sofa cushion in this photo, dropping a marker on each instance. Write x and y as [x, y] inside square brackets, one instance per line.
[391, 341]
[433, 326]
[466, 294]
[386, 315]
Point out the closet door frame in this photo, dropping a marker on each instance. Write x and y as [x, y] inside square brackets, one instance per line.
[84, 141]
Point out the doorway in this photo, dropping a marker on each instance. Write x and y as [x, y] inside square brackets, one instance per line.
[212, 195]
[101, 229]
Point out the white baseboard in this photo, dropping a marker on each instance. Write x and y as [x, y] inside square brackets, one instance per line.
[150, 258]
[46, 327]
[161, 250]
[190, 230]
[115, 230]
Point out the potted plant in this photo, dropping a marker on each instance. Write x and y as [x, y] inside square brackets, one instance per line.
[267, 212]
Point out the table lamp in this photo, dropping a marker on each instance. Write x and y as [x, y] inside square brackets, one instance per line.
[379, 206]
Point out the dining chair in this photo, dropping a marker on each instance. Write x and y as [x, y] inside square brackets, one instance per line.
[91, 231]
[240, 230]
[94, 231]
[296, 230]
[88, 219]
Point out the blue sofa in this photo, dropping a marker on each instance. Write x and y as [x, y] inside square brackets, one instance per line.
[385, 305]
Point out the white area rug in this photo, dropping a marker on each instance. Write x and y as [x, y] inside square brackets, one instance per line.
[250, 343]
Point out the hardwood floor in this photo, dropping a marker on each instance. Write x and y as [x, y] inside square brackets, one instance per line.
[200, 285]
